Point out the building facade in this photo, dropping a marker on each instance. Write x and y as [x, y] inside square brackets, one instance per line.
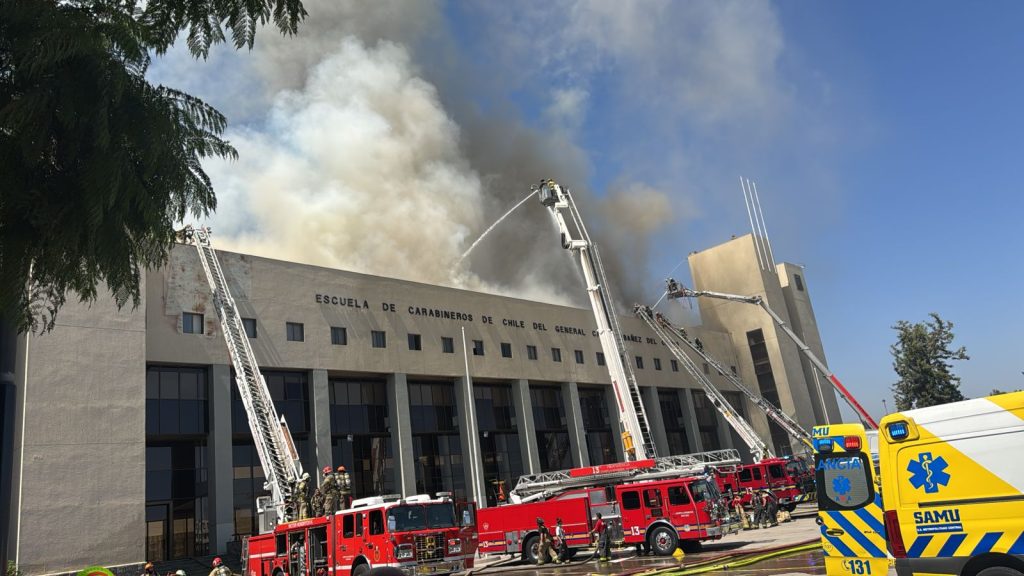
[131, 443]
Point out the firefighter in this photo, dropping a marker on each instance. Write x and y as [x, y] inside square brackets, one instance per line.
[148, 570]
[344, 482]
[329, 488]
[219, 569]
[771, 508]
[545, 552]
[302, 496]
[316, 502]
[560, 543]
[757, 507]
[601, 530]
[737, 505]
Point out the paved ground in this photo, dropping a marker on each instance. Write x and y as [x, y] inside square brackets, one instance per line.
[625, 560]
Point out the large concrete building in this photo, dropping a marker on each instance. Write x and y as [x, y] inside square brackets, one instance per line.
[130, 442]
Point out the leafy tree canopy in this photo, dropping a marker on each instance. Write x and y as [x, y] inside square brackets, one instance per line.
[921, 359]
[99, 164]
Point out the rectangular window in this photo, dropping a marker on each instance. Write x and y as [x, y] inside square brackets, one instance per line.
[556, 354]
[677, 496]
[600, 359]
[376, 522]
[675, 365]
[359, 524]
[339, 336]
[707, 369]
[447, 345]
[191, 323]
[347, 526]
[657, 363]
[631, 500]
[506, 350]
[639, 362]
[799, 282]
[415, 342]
[579, 356]
[249, 324]
[531, 352]
[379, 338]
[296, 331]
[478, 347]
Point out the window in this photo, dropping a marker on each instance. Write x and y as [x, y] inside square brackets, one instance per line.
[652, 498]
[799, 282]
[675, 365]
[296, 331]
[639, 362]
[858, 489]
[249, 324]
[447, 345]
[478, 347]
[775, 470]
[339, 336]
[359, 524]
[579, 356]
[347, 526]
[600, 359]
[191, 323]
[707, 369]
[380, 338]
[506, 350]
[631, 500]
[556, 354]
[677, 496]
[657, 363]
[745, 475]
[376, 522]
[415, 342]
[531, 352]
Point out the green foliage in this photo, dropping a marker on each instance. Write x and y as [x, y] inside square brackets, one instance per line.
[13, 570]
[99, 164]
[997, 391]
[921, 359]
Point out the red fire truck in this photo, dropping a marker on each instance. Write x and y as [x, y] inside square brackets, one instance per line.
[419, 535]
[661, 502]
[773, 474]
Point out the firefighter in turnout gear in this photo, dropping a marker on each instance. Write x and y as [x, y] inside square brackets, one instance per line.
[545, 552]
[329, 488]
[219, 569]
[344, 483]
[148, 570]
[302, 496]
[316, 502]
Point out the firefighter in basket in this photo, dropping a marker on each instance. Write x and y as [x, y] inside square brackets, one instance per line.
[302, 496]
[329, 488]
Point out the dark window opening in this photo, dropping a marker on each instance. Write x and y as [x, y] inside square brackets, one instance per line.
[249, 325]
[379, 338]
[339, 336]
[296, 331]
[478, 347]
[600, 359]
[799, 282]
[447, 345]
[556, 354]
[191, 323]
[506, 350]
[639, 363]
[415, 342]
[579, 356]
[657, 363]
[531, 352]
[675, 365]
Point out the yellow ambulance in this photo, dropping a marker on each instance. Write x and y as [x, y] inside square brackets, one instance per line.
[953, 479]
[849, 503]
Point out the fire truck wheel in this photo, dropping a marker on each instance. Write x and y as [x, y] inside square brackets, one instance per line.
[360, 569]
[531, 549]
[663, 541]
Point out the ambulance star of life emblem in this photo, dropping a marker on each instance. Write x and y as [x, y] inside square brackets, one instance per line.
[928, 472]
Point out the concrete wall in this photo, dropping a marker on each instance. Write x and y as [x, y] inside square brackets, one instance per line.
[83, 464]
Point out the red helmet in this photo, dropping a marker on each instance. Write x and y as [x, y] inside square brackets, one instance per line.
[217, 561]
[326, 470]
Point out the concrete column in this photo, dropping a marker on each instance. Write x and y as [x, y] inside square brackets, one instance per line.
[692, 432]
[574, 424]
[220, 459]
[525, 426]
[610, 402]
[321, 439]
[725, 433]
[401, 433]
[656, 419]
[469, 437]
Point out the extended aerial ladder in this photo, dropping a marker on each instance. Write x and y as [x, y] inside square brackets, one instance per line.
[676, 290]
[533, 487]
[758, 449]
[636, 435]
[271, 435]
[785, 421]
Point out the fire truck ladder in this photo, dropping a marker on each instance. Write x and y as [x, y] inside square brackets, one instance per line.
[637, 437]
[758, 449]
[676, 290]
[774, 412]
[271, 436]
[533, 487]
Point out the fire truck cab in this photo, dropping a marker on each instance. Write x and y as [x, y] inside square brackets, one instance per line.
[666, 514]
[774, 475]
[419, 535]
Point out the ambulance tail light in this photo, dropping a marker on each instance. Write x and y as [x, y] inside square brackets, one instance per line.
[851, 443]
[893, 535]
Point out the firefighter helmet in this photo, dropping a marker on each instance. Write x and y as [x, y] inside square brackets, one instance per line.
[217, 561]
[179, 573]
[341, 468]
[149, 565]
[326, 470]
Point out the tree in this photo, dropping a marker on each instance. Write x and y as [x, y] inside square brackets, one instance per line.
[921, 359]
[99, 164]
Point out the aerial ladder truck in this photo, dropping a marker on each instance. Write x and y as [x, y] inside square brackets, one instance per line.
[758, 449]
[676, 290]
[270, 434]
[637, 440]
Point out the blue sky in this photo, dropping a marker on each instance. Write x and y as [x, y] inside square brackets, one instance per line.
[884, 139]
